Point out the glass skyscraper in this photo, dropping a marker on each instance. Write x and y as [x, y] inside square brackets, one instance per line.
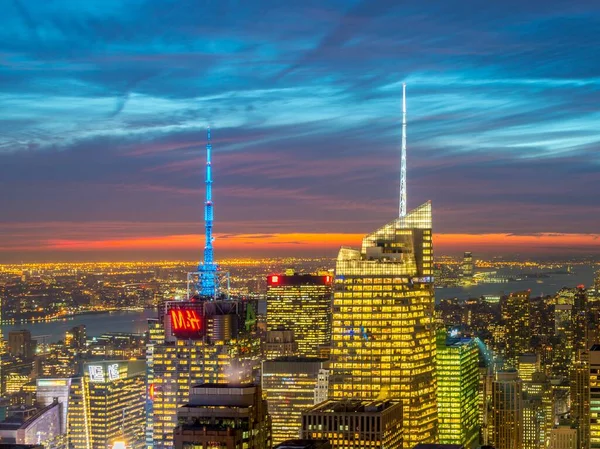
[458, 385]
[383, 336]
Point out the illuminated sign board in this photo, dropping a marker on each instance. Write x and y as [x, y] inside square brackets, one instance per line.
[103, 373]
[186, 323]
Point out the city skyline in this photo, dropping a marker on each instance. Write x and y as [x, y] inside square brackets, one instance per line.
[102, 149]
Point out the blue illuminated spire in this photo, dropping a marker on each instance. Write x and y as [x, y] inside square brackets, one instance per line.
[208, 269]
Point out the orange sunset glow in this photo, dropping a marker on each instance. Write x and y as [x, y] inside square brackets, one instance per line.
[332, 241]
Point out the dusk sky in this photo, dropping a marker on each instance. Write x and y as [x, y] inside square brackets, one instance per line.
[104, 106]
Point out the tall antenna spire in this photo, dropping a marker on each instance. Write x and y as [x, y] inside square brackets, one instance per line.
[208, 269]
[403, 156]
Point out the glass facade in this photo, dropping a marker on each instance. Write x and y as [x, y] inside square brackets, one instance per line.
[383, 337]
[458, 396]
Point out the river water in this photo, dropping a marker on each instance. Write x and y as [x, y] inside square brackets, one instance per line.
[136, 322]
[96, 324]
[581, 274]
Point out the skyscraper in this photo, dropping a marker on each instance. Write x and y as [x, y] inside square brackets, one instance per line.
[467, 265]
[301, 303]
[580, 398]
[580, 321]
[594, 396]
[563, 346]
[383, 337]
[506, 421]
[108, 405]
[196, 342]
[204, 340]
[516, 315]
[289, 383]
[538, 411]
[458, 382]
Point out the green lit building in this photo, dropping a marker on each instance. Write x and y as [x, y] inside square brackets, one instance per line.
[458, 395]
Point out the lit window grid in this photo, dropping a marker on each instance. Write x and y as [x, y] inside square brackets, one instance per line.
[304, 309]
[288, 395]
[458, 396]
[383, 339]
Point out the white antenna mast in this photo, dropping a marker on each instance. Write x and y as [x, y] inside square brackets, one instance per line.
[403, 157]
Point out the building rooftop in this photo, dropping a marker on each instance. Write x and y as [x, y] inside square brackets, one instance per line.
[297, 359]
[439, 446]
[352, 406]
[458, 341]
[304, 444]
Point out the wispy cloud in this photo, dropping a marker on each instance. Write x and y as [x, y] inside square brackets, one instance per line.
[105, 106]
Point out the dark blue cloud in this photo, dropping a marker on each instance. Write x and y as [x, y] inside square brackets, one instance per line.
[105, 106]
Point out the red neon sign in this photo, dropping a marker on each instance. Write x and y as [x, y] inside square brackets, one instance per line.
[185, 323]
[275, 279]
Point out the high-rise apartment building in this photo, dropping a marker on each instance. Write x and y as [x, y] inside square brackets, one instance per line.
[580, 398]
[516, 316]
[350, 424]
[194, 342]
[458, 395]
[301, 303]
[289, 384]
[383, 336]
[225, 416]
[506, 420]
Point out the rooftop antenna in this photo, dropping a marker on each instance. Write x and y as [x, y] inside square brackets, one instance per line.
[208, 268]
[403, 157]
